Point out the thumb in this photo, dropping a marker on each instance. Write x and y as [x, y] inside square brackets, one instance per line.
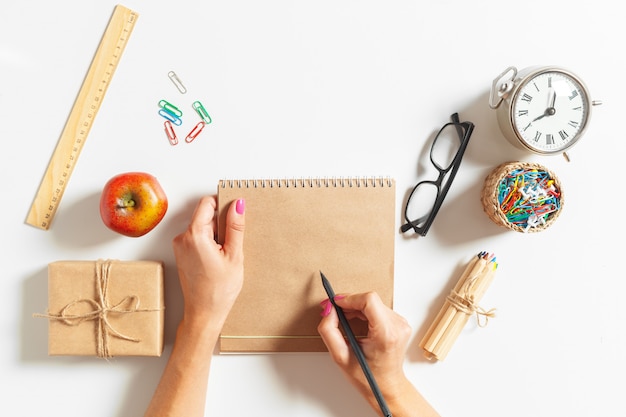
[235, 225]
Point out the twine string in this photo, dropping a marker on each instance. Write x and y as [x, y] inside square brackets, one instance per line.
[101, 309]
[464, 301]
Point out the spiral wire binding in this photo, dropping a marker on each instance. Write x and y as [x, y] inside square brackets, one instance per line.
[311, 182]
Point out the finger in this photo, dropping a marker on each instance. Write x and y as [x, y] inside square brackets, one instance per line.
[332, 337]
[235, 226]
[202, 222]
[367, 305]
[204, 213]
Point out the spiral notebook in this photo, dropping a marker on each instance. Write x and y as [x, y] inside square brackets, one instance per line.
[296, 228]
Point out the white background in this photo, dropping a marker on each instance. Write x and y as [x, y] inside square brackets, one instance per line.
[324, 88]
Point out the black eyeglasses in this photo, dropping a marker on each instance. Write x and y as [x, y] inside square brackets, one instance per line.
[446, 154]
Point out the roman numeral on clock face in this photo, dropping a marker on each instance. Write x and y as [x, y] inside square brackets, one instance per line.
[549, 139]
[527, 98]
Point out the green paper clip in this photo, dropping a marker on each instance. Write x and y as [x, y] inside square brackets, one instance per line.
[199, 108]
[169, 107]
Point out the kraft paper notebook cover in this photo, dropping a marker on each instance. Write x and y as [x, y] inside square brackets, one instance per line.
[296, 228]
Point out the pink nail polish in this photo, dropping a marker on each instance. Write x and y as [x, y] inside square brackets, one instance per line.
[327, 307]
[340, 297]
[240, 206]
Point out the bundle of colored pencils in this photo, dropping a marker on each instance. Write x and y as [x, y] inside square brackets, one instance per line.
[459, 306]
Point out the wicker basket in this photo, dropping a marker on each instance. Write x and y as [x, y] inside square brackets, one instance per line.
[497, 187]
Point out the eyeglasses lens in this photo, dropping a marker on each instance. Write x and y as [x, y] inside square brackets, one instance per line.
[446, 146]
[421, 203]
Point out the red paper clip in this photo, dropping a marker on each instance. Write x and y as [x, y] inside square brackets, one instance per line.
[169, 131]
[195, 132]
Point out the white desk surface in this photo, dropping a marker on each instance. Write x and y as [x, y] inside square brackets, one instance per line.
[325, 88]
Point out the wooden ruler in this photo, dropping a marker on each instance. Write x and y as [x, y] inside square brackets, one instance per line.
[81, 117]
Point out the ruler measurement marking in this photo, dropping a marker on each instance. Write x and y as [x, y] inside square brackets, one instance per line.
[81, 118]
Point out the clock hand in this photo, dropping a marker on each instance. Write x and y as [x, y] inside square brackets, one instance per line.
[552, 99]
[550, 111]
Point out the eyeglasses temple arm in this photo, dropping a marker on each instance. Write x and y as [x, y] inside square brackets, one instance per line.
[457, 125]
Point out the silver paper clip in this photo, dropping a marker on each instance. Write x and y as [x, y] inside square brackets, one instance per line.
[179, 85]
[195, 132]
[169, 131]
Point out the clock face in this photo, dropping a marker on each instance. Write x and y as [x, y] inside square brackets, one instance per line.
[550, 111]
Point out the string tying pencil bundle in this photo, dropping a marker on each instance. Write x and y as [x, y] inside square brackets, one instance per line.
[460, 305]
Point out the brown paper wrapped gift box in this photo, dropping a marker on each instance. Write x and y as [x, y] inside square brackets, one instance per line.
[105, 308]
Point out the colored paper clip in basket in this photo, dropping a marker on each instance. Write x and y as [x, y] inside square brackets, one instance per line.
[179, 85]
[195, 132]
[199, 108]
[169, 131]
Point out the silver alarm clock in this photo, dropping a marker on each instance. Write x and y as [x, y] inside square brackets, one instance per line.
[544, 110]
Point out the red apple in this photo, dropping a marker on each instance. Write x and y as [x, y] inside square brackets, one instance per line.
[132, 203]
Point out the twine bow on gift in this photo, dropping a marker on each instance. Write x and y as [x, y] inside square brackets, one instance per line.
[101, 309]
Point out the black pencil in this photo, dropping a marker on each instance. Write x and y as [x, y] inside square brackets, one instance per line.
[356, 348]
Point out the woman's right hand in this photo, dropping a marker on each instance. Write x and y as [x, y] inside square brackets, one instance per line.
[384, 348]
